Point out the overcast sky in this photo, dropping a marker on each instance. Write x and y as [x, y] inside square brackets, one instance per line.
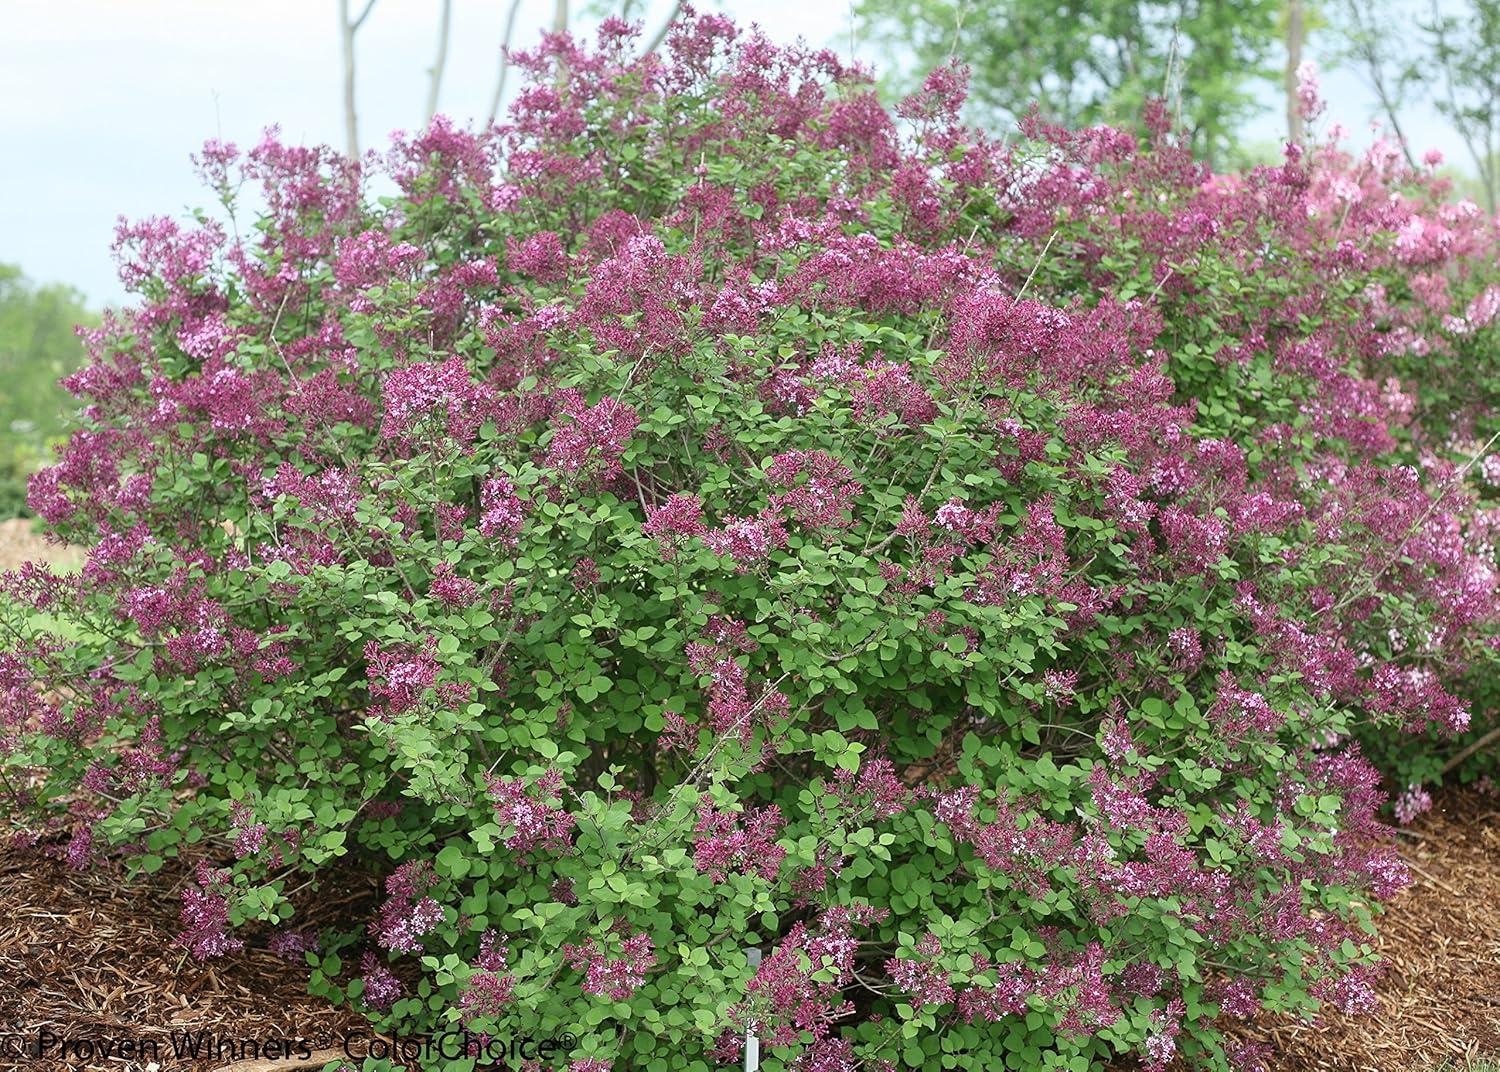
[102, 101]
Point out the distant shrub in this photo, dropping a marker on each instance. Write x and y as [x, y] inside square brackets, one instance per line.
[713, 512]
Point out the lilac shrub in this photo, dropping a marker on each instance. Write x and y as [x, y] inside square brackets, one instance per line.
[712, 511]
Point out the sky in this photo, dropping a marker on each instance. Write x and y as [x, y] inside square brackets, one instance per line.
[103, 101]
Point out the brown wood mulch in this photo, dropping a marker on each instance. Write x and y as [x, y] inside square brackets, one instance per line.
[94, 956]
[1440, 994]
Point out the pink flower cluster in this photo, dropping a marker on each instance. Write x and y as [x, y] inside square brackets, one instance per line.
[735, 708]
[408, 913]
[676, 520]
[205, 915]
[1413, 801]
[748, 540]
[618, 976]
[730, 842]
[921, 976]
[399, 678]
[799, 985]
[491, 986]
[291, 944]
[533, 820]
[820, 489]
[381, 987]
[589, 442]
[502, 511]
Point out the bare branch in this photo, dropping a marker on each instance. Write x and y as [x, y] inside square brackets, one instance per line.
[1374, 51]
[442, 60]
[510, 29]
[661, 34]
[347, 29]
[1477, 746]
[357, 23]
[560, 17]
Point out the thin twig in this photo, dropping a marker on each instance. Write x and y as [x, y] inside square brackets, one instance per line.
[1483, 742]
[1039, 258]
[661, 34]
[1432, 879]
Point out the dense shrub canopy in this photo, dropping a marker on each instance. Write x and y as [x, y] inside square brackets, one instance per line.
[712, 512]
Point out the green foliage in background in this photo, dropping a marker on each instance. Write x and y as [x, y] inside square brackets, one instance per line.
[1091, 61]
[37, 347]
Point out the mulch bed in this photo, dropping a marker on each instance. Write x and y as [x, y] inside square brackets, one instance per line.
[1440, 996]
[94, 956]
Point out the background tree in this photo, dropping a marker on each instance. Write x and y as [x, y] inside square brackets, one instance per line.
[1465, 52]
[510, 29]
[1452, 61]
[348, 27]
[37, 346]
[439, 65]
[1385, 60]
[1087, 62]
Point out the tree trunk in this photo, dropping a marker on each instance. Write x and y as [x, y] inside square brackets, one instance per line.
[347, 29]
[1296, 31]
[351, 119]
[510, 29]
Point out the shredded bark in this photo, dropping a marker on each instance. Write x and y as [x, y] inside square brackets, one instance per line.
[1439, 999]
[94, 956]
